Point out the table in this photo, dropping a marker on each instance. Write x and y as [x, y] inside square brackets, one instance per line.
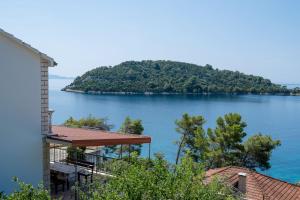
[65, 169]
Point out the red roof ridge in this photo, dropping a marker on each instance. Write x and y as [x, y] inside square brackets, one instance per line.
[221, 170]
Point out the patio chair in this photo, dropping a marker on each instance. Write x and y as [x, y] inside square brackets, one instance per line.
[85, 174]
[56, 181]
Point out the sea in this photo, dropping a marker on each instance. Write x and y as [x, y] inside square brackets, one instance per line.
[277, 116]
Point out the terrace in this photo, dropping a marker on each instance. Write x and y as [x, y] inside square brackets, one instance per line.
[68, 167]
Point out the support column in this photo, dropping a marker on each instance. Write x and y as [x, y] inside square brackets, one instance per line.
[76, 175]
[129, 151]
[149, 151]
[121, 151]
[46, 164]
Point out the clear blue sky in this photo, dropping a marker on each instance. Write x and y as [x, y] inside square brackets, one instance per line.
[256, 37]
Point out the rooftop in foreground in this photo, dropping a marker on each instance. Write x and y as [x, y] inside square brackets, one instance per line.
[258, 186]
[89, 137]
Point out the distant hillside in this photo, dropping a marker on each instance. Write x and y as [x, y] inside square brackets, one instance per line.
[171, 77]
[53, 76]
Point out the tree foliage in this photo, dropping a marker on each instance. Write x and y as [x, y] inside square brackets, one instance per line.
[157, 179]
[225, 144]
[258, 150]
[27, 192]
[226, 140]
[88, 122]
[171, 77]
[129, 126]
[295, 91]
[135, 127]
[190, 127]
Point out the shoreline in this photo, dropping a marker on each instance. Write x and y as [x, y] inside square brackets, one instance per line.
[173, 93]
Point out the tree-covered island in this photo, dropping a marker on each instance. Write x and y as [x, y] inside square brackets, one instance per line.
[172, 78]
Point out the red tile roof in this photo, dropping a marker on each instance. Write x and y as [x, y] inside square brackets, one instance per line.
[88, 137]
[258, 186]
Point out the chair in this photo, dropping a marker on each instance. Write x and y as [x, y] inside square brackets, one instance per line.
[85, 174]
[85, 164]
[56, 181]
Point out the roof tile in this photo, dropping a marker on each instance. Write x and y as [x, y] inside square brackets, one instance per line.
[259, 186]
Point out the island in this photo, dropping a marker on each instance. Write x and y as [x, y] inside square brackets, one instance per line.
[170, 77]
[53, 76]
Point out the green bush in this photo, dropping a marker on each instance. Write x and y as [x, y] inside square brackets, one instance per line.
[72, 151]
[145, 179]
[90, 122]
[27, 192]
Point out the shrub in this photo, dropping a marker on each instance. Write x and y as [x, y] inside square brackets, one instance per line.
[27, 192]
[145, 179]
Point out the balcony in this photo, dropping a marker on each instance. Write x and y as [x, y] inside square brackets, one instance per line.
[78, 157]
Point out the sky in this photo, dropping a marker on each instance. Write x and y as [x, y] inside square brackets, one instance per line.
[252, 36]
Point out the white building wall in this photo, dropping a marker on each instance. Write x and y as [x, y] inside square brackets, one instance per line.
[20, 115]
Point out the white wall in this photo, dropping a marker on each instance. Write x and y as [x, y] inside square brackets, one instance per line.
[20, 115]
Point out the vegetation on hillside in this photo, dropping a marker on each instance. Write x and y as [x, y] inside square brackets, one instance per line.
[171, 77]
[225, 144]
[295, 91]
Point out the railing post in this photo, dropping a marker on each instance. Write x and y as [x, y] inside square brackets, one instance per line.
[54, 153]
[76, 176]
[149, 151]
[121, 151]
[50, 113]
[129, 152]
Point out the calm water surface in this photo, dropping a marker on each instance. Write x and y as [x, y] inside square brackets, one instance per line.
[278, 116]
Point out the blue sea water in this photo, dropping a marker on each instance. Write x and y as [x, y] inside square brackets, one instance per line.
[278, 116]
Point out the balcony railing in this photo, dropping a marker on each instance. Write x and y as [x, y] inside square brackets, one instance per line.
[60, 154]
